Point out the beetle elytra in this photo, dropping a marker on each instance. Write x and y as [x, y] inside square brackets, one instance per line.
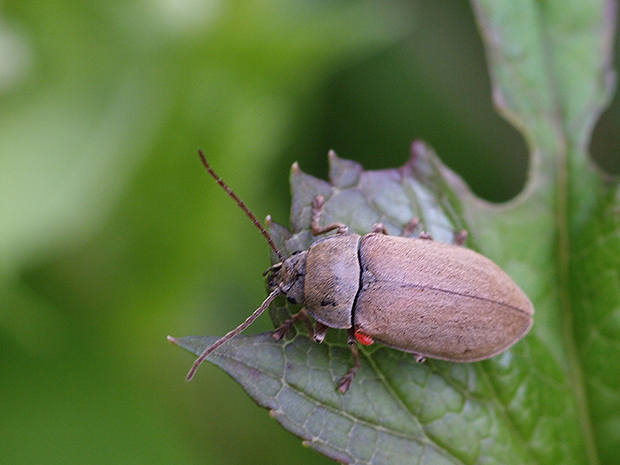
[416, 295]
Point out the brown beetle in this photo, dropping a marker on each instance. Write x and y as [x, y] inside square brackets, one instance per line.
[428, 298]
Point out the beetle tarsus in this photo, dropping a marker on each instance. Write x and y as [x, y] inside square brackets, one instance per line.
[345, 382]
[410, 227]
[460, 237]
[281, 330]
[419, 358]
[317, 211]
[285, 327]
[320, 330]
[425, 235]
[379, 228]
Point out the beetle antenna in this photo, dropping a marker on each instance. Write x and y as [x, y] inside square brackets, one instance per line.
[275, 293]
[241, 204]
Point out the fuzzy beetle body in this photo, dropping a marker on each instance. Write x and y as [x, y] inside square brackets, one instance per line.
[432, 299]
[428, 298]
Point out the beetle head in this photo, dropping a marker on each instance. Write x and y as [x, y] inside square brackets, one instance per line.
[288, 276]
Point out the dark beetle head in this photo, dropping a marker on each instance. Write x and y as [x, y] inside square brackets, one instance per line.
[288, 276]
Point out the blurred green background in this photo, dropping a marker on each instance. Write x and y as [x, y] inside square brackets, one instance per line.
[112, 236]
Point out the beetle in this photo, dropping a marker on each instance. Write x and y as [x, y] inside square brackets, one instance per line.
[428, 298]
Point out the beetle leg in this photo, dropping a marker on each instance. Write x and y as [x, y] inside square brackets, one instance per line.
[303, 314]
[345, 382]
[425, 235]
[285, 327]
[317, 211]
[379, 228]
[410, 227]
[460, 237]
[319, 332]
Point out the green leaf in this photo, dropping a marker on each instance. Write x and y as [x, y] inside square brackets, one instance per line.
[555, 396]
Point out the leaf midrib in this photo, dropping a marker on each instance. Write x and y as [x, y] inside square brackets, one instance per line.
[565, 144]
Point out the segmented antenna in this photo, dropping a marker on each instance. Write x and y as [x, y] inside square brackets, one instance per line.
[275, 293]
[241, 204]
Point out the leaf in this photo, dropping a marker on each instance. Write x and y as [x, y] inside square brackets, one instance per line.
[552, 398]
